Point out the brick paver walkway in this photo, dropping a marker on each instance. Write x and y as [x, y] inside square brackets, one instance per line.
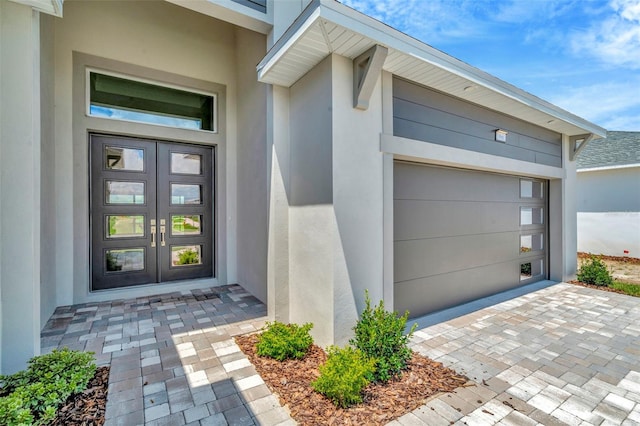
[173, 359]
[561, 355]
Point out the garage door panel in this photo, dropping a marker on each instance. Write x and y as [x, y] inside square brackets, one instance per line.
[415, 219]
[417, 182]
[458, 235]
[431, 294]
[422, 258]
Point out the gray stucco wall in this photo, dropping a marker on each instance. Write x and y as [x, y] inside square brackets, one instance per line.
[310, 196]
[19, 186]
[48, 300]
[423, 114]
[252, 166]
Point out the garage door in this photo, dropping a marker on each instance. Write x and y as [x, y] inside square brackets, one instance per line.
[460, 235]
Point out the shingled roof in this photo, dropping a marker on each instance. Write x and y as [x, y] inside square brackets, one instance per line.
[618, 149]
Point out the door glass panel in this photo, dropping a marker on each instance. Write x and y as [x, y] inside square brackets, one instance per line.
[531, 243]
[119, 158]
[531, 215]
[125, 226]
[124, 260]
[186, 225]
[186, 255]
[189, 164]
[186, 194]
[120, 192]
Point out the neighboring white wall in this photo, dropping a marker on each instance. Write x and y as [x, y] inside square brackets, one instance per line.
[162, 37]
[19, 185]
[610, 190]
[609, 211]
[252, 166]
[609, 233]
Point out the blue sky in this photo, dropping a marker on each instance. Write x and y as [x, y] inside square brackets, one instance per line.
[582, 55]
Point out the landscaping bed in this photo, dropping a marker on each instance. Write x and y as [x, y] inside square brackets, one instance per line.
[291, 381]
[63, 387]
[614, 274]
[626, 269]
[86, 408]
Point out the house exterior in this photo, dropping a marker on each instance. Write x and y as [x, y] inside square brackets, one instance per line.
[608, 189]
[298, 148]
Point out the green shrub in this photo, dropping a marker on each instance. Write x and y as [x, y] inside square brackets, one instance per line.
[344, 375]
[32, 396]
[188, 257]
[380, 335]
[595, 272]
[284, 341]
[525, 269]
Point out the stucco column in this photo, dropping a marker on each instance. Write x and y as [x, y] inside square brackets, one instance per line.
[19, 185]
[563, 243]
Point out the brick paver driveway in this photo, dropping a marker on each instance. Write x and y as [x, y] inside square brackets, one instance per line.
[560, 355]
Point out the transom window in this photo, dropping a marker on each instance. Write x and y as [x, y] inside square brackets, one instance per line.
[131, 100]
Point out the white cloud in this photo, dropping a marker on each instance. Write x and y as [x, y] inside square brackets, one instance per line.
[614, 40]
[432, 21]
[607, 104]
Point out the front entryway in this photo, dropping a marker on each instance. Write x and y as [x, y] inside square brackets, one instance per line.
[151, 211]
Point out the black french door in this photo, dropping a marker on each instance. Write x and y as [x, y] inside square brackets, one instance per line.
[151, 211]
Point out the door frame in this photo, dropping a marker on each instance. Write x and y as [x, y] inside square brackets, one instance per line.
[72, 257]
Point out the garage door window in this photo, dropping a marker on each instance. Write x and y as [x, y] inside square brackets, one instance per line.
[531, 189]
[532, 242]
[531, 216]
[531, 269]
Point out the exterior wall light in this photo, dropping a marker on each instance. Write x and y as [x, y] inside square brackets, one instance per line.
[501, 135]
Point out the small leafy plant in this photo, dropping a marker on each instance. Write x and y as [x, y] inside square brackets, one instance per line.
[379, 334]
[283, 341]
[32, 396]
[594, 271]
[343, 376]
[188, 257]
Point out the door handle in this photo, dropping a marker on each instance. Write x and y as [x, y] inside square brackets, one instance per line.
[153, 232]
[162, 231]
[153, 236]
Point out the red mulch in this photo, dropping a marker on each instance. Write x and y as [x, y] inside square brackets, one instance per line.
[290, 381]
[597, 287]
[624, 259]
[86, 408]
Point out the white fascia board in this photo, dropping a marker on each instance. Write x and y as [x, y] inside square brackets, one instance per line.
[605, 168]
[432, 153]
[382, 34]
[299, 27]
[50, 7]
[230, 11]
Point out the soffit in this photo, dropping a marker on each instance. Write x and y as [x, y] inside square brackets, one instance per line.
[327, 26]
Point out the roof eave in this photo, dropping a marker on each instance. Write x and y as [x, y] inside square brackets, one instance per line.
[320, 12]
